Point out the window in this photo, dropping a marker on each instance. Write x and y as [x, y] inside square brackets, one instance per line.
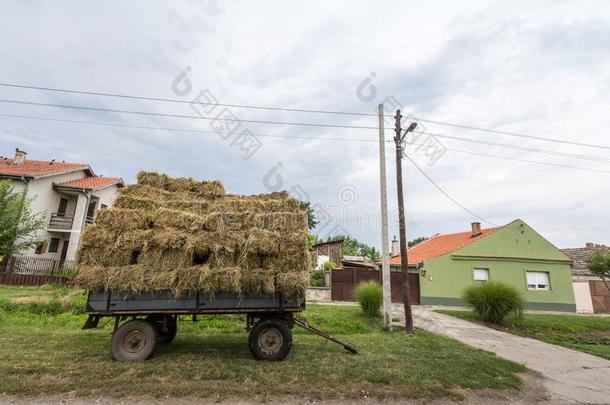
[481, 275]
[537, 280]
[54, 245]
[63, 204]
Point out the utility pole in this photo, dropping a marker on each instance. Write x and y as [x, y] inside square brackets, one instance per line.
[404, 261]
[385, 259]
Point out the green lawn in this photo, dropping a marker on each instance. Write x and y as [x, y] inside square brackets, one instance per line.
[43, 353]
[590, 334]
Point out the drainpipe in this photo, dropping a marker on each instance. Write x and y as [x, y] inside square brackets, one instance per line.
[84, 220]
[88, 197]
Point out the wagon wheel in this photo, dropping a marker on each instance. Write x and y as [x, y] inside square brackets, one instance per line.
[134, 341]
[167, 335]
[270, 339]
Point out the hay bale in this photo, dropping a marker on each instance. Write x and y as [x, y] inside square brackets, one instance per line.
[188, 236]
[210, 189]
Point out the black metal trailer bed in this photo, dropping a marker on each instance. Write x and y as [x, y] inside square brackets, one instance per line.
[152, 318]
[157, 303]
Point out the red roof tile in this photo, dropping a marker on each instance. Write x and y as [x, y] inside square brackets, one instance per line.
[93, 183]
[439, 245]
[38, 168]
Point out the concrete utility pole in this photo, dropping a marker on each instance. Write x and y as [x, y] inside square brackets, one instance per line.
[385, 259]
[404, 261]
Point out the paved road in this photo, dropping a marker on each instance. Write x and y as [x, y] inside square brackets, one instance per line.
[570, 375]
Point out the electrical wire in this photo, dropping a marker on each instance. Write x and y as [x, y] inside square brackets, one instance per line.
[106, 124]
[148, 113]
[524, 148]
[186, 130]
[497, 132]
[435, 184]
[302, 110]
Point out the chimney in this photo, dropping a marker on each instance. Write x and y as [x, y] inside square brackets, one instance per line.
[476, 229]
[590, 245]
[395, 248]
[19, 157]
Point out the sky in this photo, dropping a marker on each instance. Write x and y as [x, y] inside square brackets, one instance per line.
[540, 69]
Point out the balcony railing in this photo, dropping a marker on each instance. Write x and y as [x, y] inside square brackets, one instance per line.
[61, 221]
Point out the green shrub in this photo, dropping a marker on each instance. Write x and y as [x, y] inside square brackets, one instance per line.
[370, 297]
[328, 266]
[317, 278]
[494, 301]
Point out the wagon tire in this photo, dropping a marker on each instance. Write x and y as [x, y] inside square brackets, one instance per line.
[134, 341]
[270, 339]
[167, 336]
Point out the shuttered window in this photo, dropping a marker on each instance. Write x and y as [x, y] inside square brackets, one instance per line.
[481, 275]
[537, 280]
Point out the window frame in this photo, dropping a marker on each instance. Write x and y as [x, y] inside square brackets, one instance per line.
[474, 277]
[536, 285]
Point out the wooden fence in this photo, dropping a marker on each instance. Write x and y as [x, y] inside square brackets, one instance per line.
[32, 270]
[343, 283]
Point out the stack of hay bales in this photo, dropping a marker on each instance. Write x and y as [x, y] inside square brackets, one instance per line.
[188, 236]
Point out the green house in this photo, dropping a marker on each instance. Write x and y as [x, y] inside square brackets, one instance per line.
[514, 254]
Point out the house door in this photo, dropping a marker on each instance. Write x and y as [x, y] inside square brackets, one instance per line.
[63, 205]
[64, 252]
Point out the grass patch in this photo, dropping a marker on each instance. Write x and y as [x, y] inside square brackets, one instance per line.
[49, 354]
[589, 334]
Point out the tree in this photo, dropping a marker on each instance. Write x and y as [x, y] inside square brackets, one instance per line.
[353, 247]
[18, 225]
[599, 265]
[311, 216]
[416, 241]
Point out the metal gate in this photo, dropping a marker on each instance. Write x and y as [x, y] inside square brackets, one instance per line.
[600, 295]
[344, 282]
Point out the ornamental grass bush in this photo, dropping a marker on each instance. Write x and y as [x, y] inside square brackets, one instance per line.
[493, 302]
[370, 297]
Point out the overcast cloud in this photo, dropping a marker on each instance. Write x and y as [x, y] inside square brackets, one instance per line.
[538, 68]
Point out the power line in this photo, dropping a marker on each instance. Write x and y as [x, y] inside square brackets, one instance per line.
[174, 100]
[78, 107]
[525, 148]
[106, 124]
[303, 110]
[538, 162]
[445, 193]
[186, 130]
[493, 131]
[148, 113]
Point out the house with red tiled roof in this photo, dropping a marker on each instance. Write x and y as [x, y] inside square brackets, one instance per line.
[513, 253]
[68, 194]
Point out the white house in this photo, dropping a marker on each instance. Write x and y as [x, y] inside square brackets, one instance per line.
[69, 195]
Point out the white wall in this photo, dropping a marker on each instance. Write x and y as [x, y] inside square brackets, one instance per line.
[46, 200]
[321, 260]
[106, 196]
[582, 296]
[77, 226]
